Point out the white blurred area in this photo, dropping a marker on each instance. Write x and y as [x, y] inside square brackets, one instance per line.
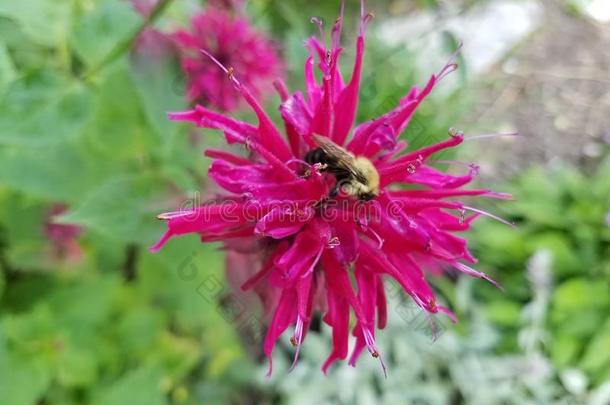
[599, 10]
[488, 31]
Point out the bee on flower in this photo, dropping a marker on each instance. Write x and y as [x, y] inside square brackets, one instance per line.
[296, 199]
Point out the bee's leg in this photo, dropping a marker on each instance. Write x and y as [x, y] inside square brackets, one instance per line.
[341, 185]
[335, 190]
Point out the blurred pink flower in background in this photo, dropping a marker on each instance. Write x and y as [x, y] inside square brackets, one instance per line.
[62, 237]
[236, 44]
[313, 243]
[144, 7]
[151, 45]
[228, 4]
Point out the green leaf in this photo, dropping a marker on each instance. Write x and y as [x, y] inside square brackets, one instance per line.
[76, 368]
[576, 295]
[21, 383]
[597, 356]
[102, 26]
[564, 349]
[139, 326]
[43, 108]
[7, 70]
[565, 260]
[94, 295]
[60, 172]
[121, 208]
[118, 130]
[139, 387]
[504, 312]
[177, 356]
[24, 232]
[160, 91]
[44, 21]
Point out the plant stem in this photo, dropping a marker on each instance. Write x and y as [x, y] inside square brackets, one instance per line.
[126, 44]
[131, 262]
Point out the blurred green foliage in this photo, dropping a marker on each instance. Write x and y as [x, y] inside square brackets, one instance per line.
[82, 124]
[118, 325]
[562, 211]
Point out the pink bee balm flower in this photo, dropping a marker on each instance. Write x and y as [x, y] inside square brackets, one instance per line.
[62, 237]
[144, 7]
[234, 42]
[315, 239]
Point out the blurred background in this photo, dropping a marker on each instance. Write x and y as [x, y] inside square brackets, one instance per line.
[88, 159]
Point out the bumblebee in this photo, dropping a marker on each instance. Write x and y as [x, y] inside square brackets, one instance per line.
[355, 175]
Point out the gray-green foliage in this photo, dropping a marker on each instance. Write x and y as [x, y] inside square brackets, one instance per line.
[564, 212]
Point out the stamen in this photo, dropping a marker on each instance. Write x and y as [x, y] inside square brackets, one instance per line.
[412, 167]
[337, 28]
[372, 348]
[166, 216]
[462, 216]
[490, 215]
[433, 326]
[333, 242]
[365, 22]
[451, 65]
[296, 340]
[248, 144]
[455, 133]
[380, 240]
[313, 264]
[364, 18]
[486, 136]
[446, 71]
[474, 273]
[317, 21]
[229, 71]
[297, 160]
[320, 166]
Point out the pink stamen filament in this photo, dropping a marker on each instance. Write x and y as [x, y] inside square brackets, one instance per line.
[498, 135]
[451, 64]
[296, 341]
[313, 264]
[370, 344]
[229, 71]
[474, 273]
[320, 24]
[490, 215]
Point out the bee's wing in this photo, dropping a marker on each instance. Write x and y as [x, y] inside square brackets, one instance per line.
[344, 159]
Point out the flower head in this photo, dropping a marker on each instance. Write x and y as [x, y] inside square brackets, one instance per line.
[234, 42]
[62, 237]
[151, 44]
[313, 238]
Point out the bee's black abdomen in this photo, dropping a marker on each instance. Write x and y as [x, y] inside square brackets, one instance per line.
[316, 156]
